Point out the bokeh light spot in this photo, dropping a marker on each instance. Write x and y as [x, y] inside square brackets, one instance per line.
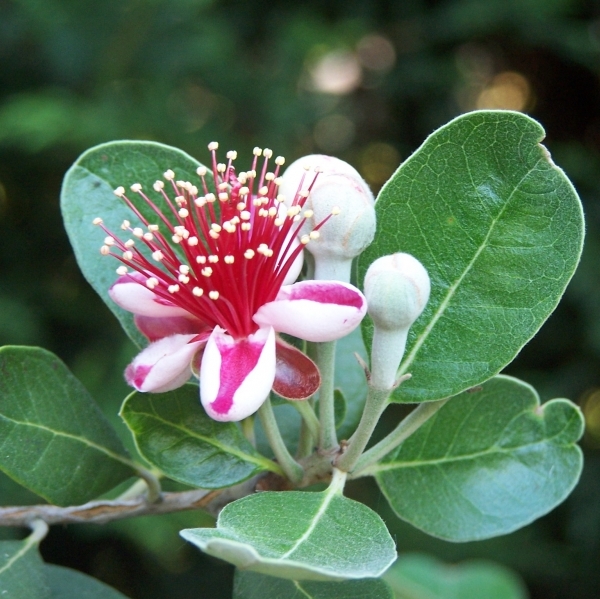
[337, 72]
[334, 133]
[376, 52]
[378, 162]
[506, 91]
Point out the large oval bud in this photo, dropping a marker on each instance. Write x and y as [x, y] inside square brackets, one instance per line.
[339, 190]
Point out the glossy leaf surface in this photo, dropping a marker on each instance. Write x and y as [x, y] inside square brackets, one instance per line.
[487, 463]
[87, 193]
[173, 432]
[499, 228]
[54, 439]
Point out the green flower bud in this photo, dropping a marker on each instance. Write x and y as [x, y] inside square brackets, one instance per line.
[397, 290]
[340, 193]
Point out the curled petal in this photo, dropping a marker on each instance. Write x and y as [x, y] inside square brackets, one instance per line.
[130, 293]
[157, 328]
[236, 375]
[164, 365]
[296, 375]
[314, 310]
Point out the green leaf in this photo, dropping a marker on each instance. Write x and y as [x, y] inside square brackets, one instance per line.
[417, 576]
[499, 228]
[350, 380]
[22, 570]
[87, 193]
[251, 585]
[65, 583]
[300, 536]
[54, 439]
[173, 432]
[489, 462]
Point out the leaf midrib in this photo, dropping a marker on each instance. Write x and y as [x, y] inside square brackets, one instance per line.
[66, 435]
[420, 340]
[259, 461]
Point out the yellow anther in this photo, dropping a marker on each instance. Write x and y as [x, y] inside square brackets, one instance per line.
[173, 288]
[192, 241]
[278, 222]
[304, 239]
[200, 202]
[257, 151]
[229, 259]
[152, 282]
[128, 256]
[214, 295]
[157, 255]
[246, 226]
[183, 213]
[129, 243]
[213, 259]
[231, 155]
[184, 279]
[153, 228]
[148, 236]
[293, 211]
[244, 191]
[197, 291]
[335, 210]
[125, 225]
[249, 254]
[223, 196]
[184, 269]
[308, 214]
[214, 234]
[120, 191]
[304, 193]
[201, 171]
[207, 271]
[267, 153]
[138, 232]
[109, 241]
[136, 187]
[272, 211]
[169, 175]
[213, 145]
[159, 185]
[263, 191]
[210, 197]
[201, 259]
[122, 270]
[314, 234]
[105, 250]
[176, 238]
[280, 160]
[97, 221]
[270, 176]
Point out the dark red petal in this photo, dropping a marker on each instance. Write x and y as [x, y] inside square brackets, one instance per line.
[296, 375]
[157, 328]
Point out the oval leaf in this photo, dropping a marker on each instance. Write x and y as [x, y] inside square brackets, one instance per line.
[488, 463]
[65, 583]
[424, 577]
[22, 570]
[87, 193]
[173, 432]
[54, 439]
[300, 536]
[251, 585]
[499, 228]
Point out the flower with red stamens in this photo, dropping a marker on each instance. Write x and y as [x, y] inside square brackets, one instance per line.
[210, 281]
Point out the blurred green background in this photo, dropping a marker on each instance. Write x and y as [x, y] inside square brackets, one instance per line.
[365, 80]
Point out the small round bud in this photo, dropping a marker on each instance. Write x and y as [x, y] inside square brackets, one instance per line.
[397, 289]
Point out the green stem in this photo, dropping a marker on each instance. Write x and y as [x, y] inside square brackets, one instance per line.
[306, 442]
[248, 430]
[154, 489]
[292, 469]
[39, 529]
[308, 416]
[377, 400]
[326, 363]
[417, 418]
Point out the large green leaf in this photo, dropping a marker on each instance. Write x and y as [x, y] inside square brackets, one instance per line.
[65, 583]
[300, 536]
[417, 576]
[173, 432]
[499, 228]
[487, 463]
[22, 570]
[87, 193]
[54, 439]
[251, 585]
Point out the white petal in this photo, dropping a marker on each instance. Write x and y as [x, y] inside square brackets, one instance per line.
[236, 376]
[130, 293]
[164, 365]
[314, 310]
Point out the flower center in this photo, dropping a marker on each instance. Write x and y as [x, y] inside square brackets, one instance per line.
[219, 249]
